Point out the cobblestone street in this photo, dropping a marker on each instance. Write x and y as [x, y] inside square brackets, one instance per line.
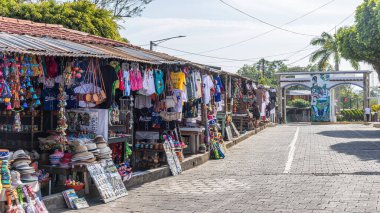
[292, 168]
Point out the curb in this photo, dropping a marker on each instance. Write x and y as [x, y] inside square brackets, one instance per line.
[337, 123]
[56, 201]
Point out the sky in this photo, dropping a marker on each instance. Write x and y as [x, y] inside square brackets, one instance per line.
[210, 24]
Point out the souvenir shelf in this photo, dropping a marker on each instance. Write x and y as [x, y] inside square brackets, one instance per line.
[119, 131]
[25, 137]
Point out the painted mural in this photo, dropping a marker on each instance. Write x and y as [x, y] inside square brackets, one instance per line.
[320, 98]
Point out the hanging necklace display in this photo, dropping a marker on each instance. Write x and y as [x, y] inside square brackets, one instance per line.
[62, 122]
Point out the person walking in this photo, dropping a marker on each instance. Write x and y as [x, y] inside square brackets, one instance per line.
[256, 113]
[367, 112]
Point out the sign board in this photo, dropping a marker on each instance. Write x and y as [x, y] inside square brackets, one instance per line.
[229, 133]
[107, 180]
[172, 158]
[234, 129]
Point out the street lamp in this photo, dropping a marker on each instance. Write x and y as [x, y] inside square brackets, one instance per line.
[154, 43]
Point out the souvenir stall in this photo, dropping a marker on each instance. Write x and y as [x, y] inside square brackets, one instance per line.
[87, 110]
[52, 107]
[192, 129]
[244, 96]
[159, 95]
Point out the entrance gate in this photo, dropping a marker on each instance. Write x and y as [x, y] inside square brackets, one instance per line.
[320, 84]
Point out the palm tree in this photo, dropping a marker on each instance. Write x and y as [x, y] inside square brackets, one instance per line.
[328, 50]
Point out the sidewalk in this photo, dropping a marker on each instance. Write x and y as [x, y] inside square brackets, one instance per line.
[56, 201]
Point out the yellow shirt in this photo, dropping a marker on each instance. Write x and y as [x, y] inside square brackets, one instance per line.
[178, 80]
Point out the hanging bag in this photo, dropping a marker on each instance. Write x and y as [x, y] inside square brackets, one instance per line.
[102, 94]
[170, 101]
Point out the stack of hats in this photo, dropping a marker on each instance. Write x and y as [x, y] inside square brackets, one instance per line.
[5, 178]
[21, 163]
[104, 151]
[82, 155]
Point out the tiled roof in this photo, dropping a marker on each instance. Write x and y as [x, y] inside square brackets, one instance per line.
[24, 27]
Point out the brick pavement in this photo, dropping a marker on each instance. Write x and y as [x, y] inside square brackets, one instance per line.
[334, 169]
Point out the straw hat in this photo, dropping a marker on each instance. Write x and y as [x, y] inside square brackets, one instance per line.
[28, 178]
[98, 138]
[82, 156]
[101, 145]
[27, 171]
[80, 149]
[20, 154]
[91, 147]
[21, 161]
[105, 150]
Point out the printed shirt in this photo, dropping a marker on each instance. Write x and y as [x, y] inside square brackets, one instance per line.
[207, 85]
[159, 81]
[178, 80]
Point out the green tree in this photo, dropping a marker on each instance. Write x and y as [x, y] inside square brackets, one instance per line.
[249, 72]
[263, 71]
[361, 42]
[328, 49]
[82, 15]
[123, 8]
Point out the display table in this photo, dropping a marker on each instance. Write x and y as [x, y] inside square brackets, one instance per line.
[194, 133]
[66, 171]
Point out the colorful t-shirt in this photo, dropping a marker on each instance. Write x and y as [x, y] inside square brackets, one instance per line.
[148, 83]
[127, 83]
[218, 89]
[159, 81]
[179, 95]
[198, 84]
[207, 85]
[178, 80]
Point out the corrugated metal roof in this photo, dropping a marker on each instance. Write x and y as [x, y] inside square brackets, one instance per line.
[57, 47]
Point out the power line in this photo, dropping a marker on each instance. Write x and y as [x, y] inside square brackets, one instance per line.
[269, 31]
[268, 56]
[341, 22]
[229, 59]
[264, 22]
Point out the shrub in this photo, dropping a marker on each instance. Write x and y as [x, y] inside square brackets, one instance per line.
[351, 115]
[299, 103]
